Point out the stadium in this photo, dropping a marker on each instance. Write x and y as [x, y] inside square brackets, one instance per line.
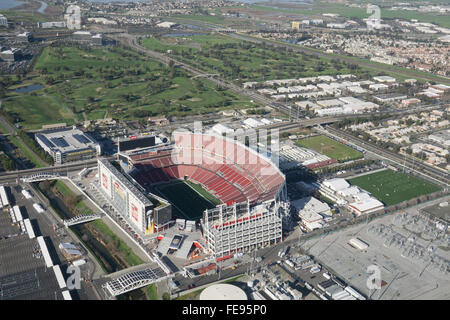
[250, 188]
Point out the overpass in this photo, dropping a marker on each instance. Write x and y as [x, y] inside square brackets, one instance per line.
[63, 169]
[42, 176]
[83, 218]
[131, 279]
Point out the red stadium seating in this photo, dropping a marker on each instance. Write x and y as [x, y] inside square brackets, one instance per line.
[229, 170]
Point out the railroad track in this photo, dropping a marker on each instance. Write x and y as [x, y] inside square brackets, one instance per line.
[11, 176]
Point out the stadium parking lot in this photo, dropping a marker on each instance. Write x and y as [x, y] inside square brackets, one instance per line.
[23, 274]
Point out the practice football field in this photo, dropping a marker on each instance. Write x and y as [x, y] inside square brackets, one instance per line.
[330, 148]
[392, 187]
[186, 199]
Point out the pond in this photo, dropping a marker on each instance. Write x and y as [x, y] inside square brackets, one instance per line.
[43, 7]
[30, 88]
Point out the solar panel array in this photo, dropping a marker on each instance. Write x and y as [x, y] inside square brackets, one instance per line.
[81, 138]
[45, 140]
[60, 142]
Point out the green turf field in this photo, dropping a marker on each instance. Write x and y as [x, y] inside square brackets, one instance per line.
[186, 199]
[330, 148]
[393, 187]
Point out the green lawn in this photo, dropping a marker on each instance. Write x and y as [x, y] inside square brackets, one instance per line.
[20, 16]
[130, 257]
[151, 292]
[204, 193]
[87, 83]
[37, 162]
[184, 196]
[62, 188]
[393, 187]
[370, 67]
[244, 60]
[330, 148]
[37, 110]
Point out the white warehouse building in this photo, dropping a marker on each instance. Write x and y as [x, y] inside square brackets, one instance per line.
[68, 144]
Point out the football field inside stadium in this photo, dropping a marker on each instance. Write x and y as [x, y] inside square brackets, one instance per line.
[330, 148]
[189, 199]
[392, 187]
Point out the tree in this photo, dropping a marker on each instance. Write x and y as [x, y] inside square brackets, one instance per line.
[165, 296]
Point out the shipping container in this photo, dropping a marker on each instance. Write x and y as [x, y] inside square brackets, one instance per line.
[18, 213]
[59, 277]
[4, 196]
[79, 262]
[38, 207]
[13, 215]
[45, 253]
[26, 194]
[29, 228]
[66, 295]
